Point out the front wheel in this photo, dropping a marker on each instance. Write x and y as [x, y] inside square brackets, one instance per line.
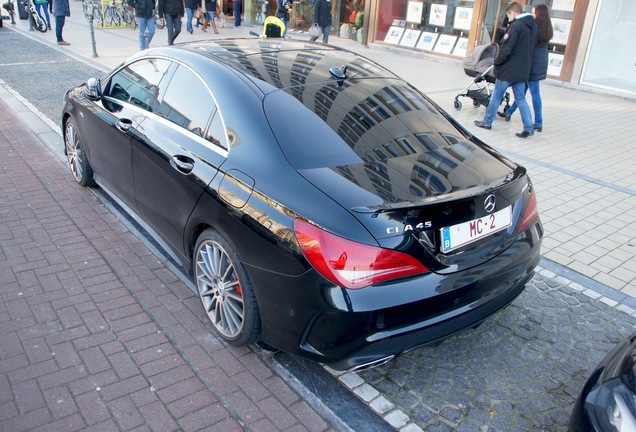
[38, 23]
[225, 291]
[77, 160]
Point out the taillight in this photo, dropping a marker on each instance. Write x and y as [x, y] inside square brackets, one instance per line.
[351, 264]
[532, 211]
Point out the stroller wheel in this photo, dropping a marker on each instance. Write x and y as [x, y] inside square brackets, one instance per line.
[476, 103]
[457, 104]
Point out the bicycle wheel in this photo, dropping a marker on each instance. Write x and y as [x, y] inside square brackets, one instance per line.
[98, 15]
[87, 8]
[116, 17]
[108, 16]
[41, 24]
[131, 17]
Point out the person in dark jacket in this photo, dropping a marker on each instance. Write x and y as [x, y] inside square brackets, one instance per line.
[145, 17]
[539, 67]
[172, 11]
[282, 12]
[512, 67]
[61, 10]
[322, 16]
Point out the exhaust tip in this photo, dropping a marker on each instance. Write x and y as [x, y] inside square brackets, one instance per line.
[372, 364]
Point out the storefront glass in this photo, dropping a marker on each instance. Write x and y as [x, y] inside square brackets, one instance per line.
[441, 26]
[611, 54]
[348, 16]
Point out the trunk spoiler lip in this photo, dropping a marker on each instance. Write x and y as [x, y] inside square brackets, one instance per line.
[461, 194]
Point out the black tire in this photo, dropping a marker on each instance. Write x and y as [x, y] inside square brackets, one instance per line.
[77, 160]
[457, 104]
[225, 290]
[476, 103]
[38, 23]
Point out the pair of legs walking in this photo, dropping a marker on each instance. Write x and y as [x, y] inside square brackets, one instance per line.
[518, 90]
[173, 23]
[146, 32]
[537, 105]
[325, 35]
[209, 20]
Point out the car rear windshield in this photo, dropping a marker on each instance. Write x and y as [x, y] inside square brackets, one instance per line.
[356, 121]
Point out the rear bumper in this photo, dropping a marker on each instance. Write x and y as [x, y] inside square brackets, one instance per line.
[347, 329]
[394, 345]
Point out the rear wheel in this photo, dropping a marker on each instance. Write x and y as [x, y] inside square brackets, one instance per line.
[77, 161]
[225, 291]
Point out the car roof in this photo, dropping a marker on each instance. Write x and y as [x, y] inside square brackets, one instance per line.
[273, 64]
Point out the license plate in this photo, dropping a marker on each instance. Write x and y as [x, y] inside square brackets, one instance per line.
[462, 234]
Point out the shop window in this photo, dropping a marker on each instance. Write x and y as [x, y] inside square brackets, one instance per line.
[441, 26]
[610, 60]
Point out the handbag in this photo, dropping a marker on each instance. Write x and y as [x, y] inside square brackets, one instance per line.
[198, 14]
[315, 30]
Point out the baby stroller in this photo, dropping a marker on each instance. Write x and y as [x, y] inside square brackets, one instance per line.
[479, 65]
[273, 27]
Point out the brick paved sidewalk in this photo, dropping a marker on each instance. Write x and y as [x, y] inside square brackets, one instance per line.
[96, 333]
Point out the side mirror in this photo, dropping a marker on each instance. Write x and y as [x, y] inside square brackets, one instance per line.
[93, 89]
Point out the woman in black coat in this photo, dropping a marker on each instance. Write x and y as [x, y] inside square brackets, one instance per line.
[539, 66]
[322, 16]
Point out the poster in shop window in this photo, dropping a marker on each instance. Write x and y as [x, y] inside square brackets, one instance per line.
[414, 12]
[463, 18]
[555, 62]
[410, 37]
[563, 5]
[445, 44]
[394, 35]
[561, 30]
[461, 47]
[427, 41]
[438, 15]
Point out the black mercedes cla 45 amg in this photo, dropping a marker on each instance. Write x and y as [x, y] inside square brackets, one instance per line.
[323, 205]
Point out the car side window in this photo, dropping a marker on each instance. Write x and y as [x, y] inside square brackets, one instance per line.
[139, 83]
[189, 104]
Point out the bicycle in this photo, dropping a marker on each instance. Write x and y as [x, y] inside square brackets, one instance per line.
[35, 19]
[112, 16]
[128, 16]
[93, 11]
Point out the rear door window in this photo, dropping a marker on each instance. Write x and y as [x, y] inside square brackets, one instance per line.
[189, 104]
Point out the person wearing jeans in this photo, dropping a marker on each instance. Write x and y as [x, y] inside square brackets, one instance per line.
[145, 16]
[172, 11]
[519, 92]
[322, 16]
[42, 7]
[512, 67]
[236, 10]
[539, 68]
[190, 7]
[61, 10]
